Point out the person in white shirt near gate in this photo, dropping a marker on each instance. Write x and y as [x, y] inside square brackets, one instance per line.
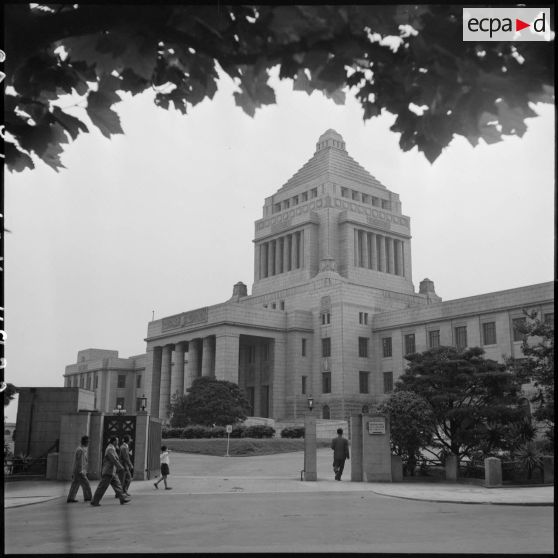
[165, 471]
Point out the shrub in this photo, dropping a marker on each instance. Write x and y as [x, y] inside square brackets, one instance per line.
[195, 431]
[167, 432]
[259, 431]
[293, 432]
[238, 431]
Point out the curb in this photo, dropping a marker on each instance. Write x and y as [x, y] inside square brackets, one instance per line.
[7, 505]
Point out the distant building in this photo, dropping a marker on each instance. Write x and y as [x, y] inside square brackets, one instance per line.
[332, 313]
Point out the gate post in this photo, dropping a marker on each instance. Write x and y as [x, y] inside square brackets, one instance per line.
[356, 448]
[95, 445]
[141, 446]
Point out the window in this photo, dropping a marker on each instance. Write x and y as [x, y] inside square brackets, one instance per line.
[489, 333]
[461, 337]
[388, 382]
[138, 404]
[295, 200]
[81, 381]
[326, 414]
[251, 354]
[326, 382]
[314, 193]
[265, 352]
[363, 318]
[410, 344]
[516, 324]
[375, 201]
[344, 192]
[326, 347]
[138, 381]
[273, 305]
[88, 382]
[121, 381]
[363, 382]
[120, 401]
[286, 204]
[365, 198]
[303, 347]
[355, 195]
[386, 346]
[96, 381]
[549, 319]
[304, 196]
[386, 204]
[434, 338]
[326, 318]
[363, 347]
[282, 305]
[303, 385]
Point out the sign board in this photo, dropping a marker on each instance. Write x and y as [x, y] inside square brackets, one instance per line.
[377, 425]
[229, 428]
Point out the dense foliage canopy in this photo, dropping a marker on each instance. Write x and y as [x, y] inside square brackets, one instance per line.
[408, 60]
[209, 402]
[474, 400]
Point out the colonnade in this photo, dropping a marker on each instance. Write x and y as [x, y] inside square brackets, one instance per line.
[379, 252]
[212, 355]
[281, 254]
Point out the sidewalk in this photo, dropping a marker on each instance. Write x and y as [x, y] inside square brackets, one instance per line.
[280, 473]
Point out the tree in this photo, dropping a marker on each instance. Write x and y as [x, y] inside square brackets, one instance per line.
[403, 59]
[538, 366]
[411, 425]
[475, 401]
[209, 401]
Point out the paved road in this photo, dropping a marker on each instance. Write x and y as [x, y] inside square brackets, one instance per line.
[242, 505]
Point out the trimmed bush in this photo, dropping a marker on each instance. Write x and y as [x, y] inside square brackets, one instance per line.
[171, 432]
[293, 432]
[258, 431]
[238, 431]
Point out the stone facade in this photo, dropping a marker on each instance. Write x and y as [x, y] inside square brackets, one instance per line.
[332, 283]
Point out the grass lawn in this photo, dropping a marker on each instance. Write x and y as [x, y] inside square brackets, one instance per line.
[239, 446]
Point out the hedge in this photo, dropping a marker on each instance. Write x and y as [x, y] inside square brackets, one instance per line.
[293, 432]
[238, 431]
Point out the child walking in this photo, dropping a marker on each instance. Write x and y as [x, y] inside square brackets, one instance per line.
[165, 471]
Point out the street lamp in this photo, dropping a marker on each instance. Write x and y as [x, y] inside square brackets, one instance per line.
[119, 410]
[310, 403]
[143, 403]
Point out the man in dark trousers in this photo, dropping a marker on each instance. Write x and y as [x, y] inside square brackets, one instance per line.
[79, 475]
[340, 447]
[111, 466]
[125, 460]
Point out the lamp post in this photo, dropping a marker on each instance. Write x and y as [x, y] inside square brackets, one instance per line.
[119, 410]
[310, 403]
[143, 403]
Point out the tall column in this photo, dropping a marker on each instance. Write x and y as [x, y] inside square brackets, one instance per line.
[270, 257]
[302, 248]
[164, 395]
[177, 374]
[373, 252]
[382, 253]
[368, 259]
[206, 357]
[391, 255]
[298, 249]
[356, 249]
[402, 258]
[293, 251]
[152, 380]
[226, 357]
[289, 256]
[193, 363]
[278, 254]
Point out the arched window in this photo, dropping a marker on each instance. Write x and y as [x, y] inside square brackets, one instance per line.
[325, 412]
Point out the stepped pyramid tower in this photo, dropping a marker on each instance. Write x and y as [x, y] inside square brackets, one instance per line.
[332, 313]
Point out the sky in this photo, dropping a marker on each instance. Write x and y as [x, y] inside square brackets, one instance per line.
[161, 219]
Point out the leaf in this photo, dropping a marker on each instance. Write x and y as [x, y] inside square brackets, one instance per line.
[70, 123]
[102, 116]
[132, 83]
[16, 159]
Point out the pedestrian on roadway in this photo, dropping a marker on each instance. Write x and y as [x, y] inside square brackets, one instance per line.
[340, 447]
[79, 474]
[111, 466]
[165, 471]
[128, 467]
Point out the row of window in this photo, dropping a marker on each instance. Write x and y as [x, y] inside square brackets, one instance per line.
[282, 254]
[85, 381]
[365, 198]
[274, 305]
[295, 200]
[488, 336]
[363, 382]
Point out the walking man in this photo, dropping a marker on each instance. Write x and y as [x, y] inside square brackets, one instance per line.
[79, 475]
[111, 466]
[340, 447]
[128, 467]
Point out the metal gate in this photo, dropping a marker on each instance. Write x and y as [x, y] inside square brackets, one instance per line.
[119, 425]
[153, 448]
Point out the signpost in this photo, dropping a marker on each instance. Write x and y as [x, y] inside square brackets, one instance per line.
[377, 425]
[229, 430]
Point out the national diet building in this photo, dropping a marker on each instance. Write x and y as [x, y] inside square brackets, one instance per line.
[332, 311]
